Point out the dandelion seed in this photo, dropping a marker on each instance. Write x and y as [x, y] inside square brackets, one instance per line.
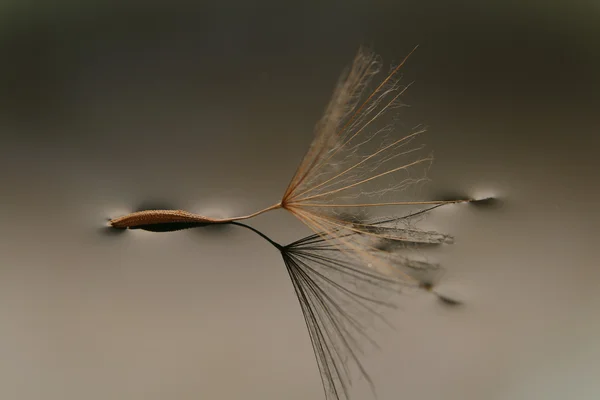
[348, 163]
[350, 265]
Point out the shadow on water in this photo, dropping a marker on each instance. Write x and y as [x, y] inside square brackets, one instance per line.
[429, 286]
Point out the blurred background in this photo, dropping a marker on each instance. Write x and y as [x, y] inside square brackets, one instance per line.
[111, 108]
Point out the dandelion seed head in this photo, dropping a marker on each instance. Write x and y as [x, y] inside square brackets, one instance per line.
[361, 159]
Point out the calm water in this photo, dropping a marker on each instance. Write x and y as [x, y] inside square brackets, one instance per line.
[105, 111]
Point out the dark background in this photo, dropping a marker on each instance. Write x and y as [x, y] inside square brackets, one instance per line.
[105, 109]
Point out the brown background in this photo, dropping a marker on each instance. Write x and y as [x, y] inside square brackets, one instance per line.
[105, 109]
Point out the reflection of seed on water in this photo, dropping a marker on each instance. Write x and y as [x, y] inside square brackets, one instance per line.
[341, 298]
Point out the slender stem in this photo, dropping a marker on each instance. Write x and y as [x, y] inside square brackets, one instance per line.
[273, 207]
[259, 233]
